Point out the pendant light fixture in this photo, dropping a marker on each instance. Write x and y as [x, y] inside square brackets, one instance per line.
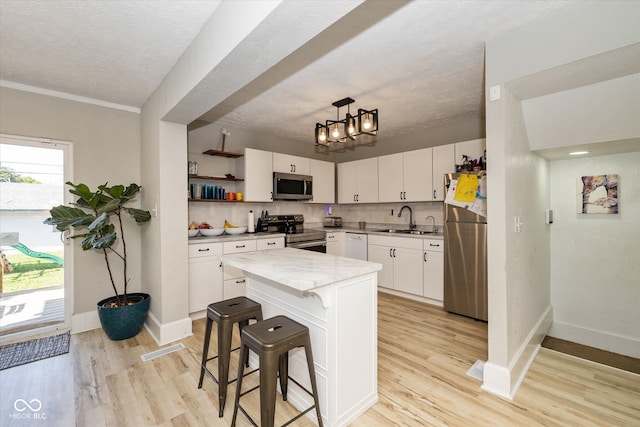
[347, 129]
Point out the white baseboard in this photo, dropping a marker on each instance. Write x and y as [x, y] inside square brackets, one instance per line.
[84, 322]
[505, 380]
[168, 332]
[627, 346]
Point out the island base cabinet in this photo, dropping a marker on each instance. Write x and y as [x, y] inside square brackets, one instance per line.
[342, 322]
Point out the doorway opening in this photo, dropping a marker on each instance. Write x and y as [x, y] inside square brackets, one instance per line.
[35, 282]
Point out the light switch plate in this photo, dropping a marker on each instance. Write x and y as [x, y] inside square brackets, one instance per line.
[494, 93]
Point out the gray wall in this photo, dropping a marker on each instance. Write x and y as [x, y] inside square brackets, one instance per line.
[106, 147]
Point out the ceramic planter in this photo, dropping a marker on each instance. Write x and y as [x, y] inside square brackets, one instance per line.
[120, 323]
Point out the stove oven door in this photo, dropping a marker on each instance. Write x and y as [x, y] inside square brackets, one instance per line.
[314, 245]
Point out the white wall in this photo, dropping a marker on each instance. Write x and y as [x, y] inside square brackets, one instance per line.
[594, 258]
[106, 147]
[518, 180]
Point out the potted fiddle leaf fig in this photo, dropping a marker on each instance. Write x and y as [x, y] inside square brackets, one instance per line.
[97, 219]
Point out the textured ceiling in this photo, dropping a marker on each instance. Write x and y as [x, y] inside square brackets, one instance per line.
[421, 65]
[111, 50]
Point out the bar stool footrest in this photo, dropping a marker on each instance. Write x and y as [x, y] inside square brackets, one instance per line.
[241, 409]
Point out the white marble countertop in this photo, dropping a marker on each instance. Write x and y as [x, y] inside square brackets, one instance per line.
[376, 231]
[299, 269]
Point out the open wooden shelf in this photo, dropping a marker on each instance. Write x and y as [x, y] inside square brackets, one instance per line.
[215, 178]
[216, 200]
[223, 154]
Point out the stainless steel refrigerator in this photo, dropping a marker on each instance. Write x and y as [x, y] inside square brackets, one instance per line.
[465, 261]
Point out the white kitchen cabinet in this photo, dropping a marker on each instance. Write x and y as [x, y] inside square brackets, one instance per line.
[405, 176]
[270, 243]
[433, 272]
[443, 163]
[205, 275]
[234, 281]
[358, 181]
[336, 243]
[324, 181]
[390, 178]
[290, 164]
[256, 168]
[401, 260]
[473, 149]
[382, 254]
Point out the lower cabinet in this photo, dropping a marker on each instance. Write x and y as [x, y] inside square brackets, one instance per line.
[433, 272]
[234, 284]
[336, 243]
[234, 281]
[205, 275]
[209, 280]
[401, 260]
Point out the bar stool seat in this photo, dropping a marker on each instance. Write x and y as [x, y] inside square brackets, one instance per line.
[271, 340]
[225, 313]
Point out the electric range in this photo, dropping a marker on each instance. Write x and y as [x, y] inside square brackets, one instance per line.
[295, 234]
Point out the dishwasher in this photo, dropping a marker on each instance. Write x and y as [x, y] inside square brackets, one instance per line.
[356, 246]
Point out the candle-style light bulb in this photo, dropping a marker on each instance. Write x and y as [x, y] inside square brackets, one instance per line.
[352, 126]
[323, 135]
[367, 122]
[336, 131]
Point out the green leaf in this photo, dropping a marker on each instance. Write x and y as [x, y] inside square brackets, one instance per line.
[67, 217]
[106, 241]
[98, 223]
[139, 215]
[116, 191]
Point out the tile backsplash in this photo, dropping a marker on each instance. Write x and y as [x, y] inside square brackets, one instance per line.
[215, 213]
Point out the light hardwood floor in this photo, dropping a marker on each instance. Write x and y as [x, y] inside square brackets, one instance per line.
[424, 354]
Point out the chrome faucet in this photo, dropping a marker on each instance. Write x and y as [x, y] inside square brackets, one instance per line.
[433, 226]
[411, 223]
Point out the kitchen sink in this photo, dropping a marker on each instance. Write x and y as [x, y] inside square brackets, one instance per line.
[393, 230]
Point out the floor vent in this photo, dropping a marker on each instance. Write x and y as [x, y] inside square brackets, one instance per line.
[476, 370]
[161, 352]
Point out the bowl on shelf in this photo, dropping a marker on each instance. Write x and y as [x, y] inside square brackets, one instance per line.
[193, 233]
[211, 231]
[235, 230]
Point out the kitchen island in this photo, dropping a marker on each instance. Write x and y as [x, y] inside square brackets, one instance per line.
[336, 298]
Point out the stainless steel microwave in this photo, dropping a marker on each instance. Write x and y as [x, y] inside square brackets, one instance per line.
[290, 186]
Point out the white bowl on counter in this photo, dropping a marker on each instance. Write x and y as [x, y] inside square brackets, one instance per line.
[211, 231]
[193, 233]
[235, 230]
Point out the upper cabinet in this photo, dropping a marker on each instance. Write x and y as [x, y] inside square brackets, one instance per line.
[358, 181]
[257, 169]
[443, 163]
[324, 181]
[405, 176]
[473, 149]
[291, 164]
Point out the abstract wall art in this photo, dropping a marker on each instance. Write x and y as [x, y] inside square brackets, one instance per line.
[598, 194]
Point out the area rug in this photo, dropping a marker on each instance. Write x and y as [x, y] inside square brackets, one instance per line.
[30, 351]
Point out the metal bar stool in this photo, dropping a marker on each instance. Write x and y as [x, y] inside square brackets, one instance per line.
[271, 340]
[225, 313]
